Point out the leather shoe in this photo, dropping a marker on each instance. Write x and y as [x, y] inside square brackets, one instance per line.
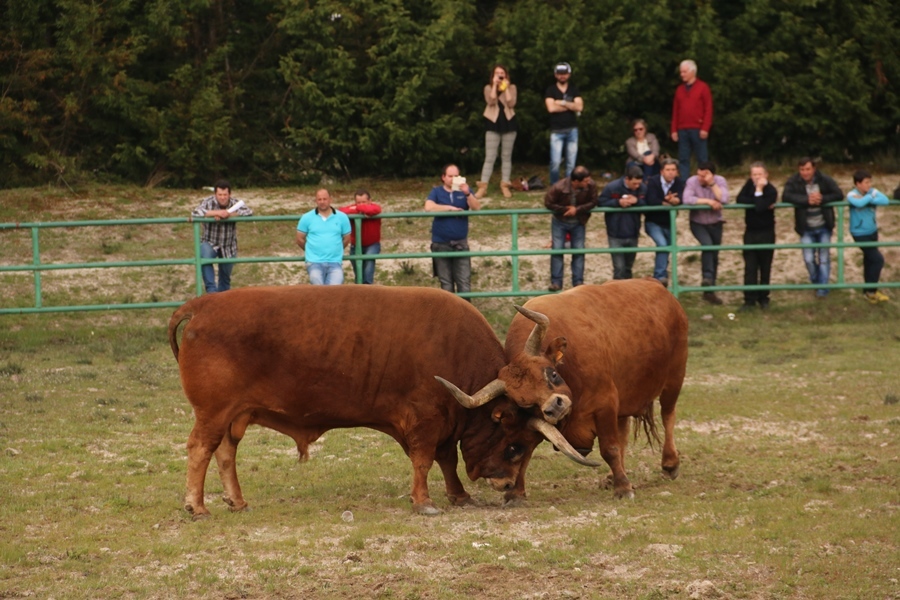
[712, 298]
[554, 287]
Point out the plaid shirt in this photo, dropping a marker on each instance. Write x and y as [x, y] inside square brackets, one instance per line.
[221, 235]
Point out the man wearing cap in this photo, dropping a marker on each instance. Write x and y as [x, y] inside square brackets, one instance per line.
[564, 103]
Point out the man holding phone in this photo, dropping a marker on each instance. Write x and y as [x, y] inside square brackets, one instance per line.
[450, 233]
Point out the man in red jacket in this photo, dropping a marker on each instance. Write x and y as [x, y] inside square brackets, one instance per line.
[692, 115]
[371, 232]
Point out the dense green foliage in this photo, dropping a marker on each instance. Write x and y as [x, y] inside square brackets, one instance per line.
[271, 91]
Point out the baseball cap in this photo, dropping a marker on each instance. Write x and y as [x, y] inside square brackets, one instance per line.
[563, 68]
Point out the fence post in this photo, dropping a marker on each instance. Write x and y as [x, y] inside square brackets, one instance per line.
[36, 260]
[515, 257]
[198, 266]
[673, 255]
[840, 249]
[356, 263]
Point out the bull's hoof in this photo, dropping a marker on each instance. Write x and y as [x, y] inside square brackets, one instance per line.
[671, 472]
[428, 509]
[626, 494]
[234, 506]
[466, 500]
[197, 513]
[514, 502]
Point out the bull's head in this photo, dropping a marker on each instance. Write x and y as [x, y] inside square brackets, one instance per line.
[500, 439]
[530, 379]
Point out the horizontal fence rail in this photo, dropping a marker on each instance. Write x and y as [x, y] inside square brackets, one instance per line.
[37, 267]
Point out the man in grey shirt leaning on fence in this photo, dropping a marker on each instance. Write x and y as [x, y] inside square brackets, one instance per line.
[219, 238]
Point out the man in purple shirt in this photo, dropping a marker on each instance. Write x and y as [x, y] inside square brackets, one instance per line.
[712, 190]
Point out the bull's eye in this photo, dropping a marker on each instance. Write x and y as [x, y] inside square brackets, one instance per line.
[514, 451]
[553, 377]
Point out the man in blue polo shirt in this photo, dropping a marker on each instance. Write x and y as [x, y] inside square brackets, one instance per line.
[322, 234]
[450, 233]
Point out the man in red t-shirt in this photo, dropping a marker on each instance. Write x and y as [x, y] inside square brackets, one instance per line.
[692, 115]
[371, 233]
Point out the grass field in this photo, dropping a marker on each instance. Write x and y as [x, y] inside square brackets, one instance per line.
[788, 428]
[789, 488]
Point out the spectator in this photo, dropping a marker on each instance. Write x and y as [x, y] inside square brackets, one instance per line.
[863, 199]
[499, 130]
[643, 149]
[450, 234]
[692, 116]
[564, 103]
[623, 228]
[322, 234]
[571, 200]
[219, 239]
[371, 232]
[760, 196]
[667, 189]
[811, 191]
[712, 190]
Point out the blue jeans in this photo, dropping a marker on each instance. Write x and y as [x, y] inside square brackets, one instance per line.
[819, 270]
[325, 273]
[558, 230]
[689, 141]
[368, 266]
[568, 139]
[209, 272]
[622, 261]
[708, 235]
[661, 236]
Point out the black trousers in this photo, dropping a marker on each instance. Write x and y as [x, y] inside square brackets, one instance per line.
[758, 265]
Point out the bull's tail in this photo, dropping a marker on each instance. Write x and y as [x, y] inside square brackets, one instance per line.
[178, 317]
[647, 422]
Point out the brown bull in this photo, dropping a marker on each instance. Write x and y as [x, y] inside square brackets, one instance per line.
[627, 346]
[306, 359]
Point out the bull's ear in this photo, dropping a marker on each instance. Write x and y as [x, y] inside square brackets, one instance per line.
[497, 415]
[556, 350]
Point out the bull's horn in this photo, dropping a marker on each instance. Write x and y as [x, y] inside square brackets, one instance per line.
[536, 339]
[482, 396]
[556, 438]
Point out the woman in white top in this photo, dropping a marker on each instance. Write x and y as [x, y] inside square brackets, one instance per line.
[643, 149]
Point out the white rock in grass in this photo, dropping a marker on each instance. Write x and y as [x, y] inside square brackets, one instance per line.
[347, 516]
[13, 452]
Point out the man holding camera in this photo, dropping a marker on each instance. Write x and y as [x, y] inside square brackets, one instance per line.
[450, 233]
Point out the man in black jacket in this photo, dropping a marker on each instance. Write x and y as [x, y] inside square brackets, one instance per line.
[623, 228]
[811, 191]
[760, 196]
[664, 189]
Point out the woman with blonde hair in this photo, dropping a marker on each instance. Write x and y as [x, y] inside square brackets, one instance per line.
[499, 129]
[643, 149]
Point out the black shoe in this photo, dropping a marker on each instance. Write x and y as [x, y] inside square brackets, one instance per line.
[553, 287]
[764, 304]
[712, 298]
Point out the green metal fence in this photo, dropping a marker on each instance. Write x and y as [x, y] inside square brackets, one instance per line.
[37, 267]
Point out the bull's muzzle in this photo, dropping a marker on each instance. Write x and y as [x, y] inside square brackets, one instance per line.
[556, 408]
[502, 484]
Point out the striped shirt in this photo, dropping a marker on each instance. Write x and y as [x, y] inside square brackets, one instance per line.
[221, 235]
